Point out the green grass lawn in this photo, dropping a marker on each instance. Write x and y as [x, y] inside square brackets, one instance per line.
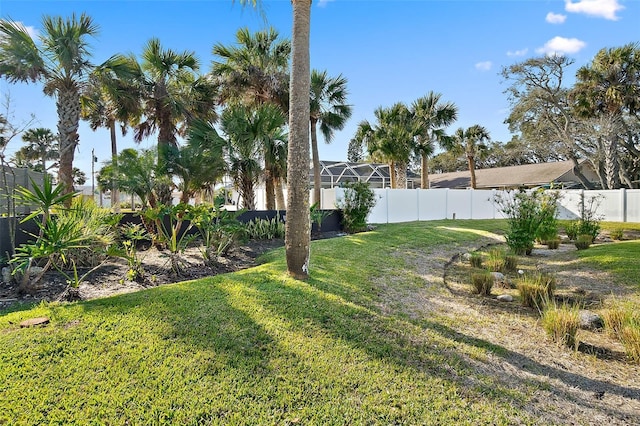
[257, 347]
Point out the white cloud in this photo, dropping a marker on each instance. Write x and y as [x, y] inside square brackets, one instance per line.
[520, 52]
[606, 9]
[561, 46]
[323, 3]
[555, 18]
[484, 66]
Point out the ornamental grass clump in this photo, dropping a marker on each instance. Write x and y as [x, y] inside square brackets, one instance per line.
[622, 321]
[583, 241]
[496, 260]
[536, 289]
[475, 260]
[561, 323]
[482, 283]
[630, 339]
[617, 234]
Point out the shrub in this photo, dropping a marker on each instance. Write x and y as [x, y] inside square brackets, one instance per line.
[265, 229]
[220, 230]
[617, 234]
[583, 241]
[615, 316]
[475, 260]
[358, 201]
[530, 216]
[482, 282]
[536, 289]
[622, 321]
[571, 230]
[561, 323]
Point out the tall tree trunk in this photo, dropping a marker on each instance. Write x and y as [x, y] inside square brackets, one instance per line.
[298, 226]
[400, 170]
[270, 189]
[281, 204]
[472, 170]
[424, 176]
[317, 183]
[611, 163]
[115, 193]
[68, 107]
[392, 174]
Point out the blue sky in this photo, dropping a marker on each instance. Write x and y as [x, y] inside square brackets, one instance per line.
[390, 51]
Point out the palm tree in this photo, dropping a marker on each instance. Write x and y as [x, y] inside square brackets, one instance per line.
[255, 71]
[113, 96]
[42, 146]
[172, 96]
[471, 143]
[298, 226]
[431, 117]
[273, 138]
[61, 62]
[329, 109]
[242, 126]
[607, 89]
[390, 140]
[200, 163]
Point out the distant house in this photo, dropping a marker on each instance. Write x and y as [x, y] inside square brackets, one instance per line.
[559, 174]
[336, 173]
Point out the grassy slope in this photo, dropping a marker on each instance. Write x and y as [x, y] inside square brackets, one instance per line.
[256, 347]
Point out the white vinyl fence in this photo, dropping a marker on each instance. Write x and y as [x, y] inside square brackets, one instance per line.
[407, 205]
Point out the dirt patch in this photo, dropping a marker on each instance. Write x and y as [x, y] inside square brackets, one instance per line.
[111, 277]
[593, 384]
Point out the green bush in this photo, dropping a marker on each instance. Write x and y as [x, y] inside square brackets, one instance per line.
[572, 229]
[561, 323]
[358, 201]
[553, 244]
[531, 215]
[482, 282]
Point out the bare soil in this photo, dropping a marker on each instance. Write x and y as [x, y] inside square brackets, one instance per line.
[592, 384]
[111, 277]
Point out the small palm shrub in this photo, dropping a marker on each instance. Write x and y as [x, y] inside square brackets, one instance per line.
[561, 323]
[482, 282]
[475, 260]
[536, 289]
[583, 241]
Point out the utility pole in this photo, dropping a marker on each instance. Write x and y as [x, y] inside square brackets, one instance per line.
[93, 175]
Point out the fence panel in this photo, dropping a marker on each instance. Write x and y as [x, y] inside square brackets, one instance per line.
[432, 204]
[633, 205]
[402, 205]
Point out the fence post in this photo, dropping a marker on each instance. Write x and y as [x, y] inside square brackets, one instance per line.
[623, 204]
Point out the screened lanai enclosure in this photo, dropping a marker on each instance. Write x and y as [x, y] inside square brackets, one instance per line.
[336, 173]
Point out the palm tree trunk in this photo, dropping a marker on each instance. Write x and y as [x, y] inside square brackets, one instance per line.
[401, 174]
[270, 190]
[115, 196]
[298, 226]
[472, 170]
[280, 202]
[424, 176]
[317, 183]
[68, 107]
[392, 174]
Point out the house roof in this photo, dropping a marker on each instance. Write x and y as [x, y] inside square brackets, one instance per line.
[527, 175]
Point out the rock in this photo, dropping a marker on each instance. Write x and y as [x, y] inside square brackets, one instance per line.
[466, 257]
[32, 322]
[590, 320]
[505, 298]
[498, 276]
[35, 270]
